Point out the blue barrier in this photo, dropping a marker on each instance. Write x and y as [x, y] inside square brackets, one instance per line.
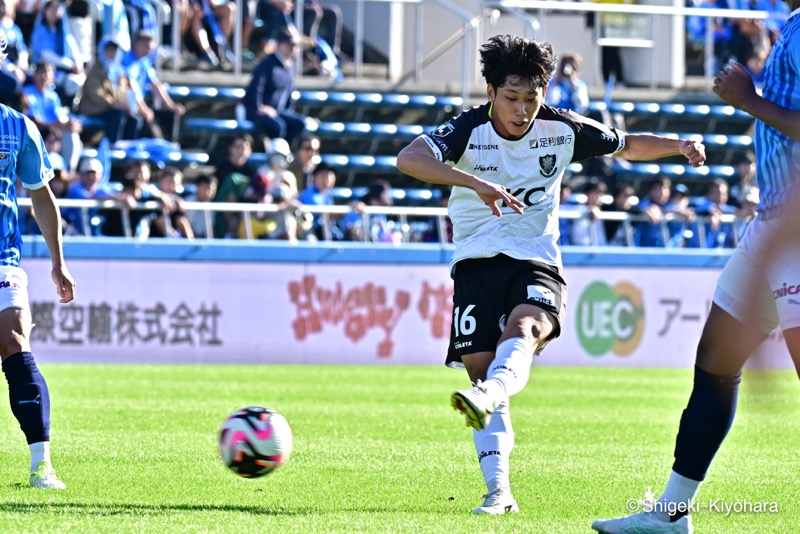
[204, 250]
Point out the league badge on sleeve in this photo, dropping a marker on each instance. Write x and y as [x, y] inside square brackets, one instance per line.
[444, 130]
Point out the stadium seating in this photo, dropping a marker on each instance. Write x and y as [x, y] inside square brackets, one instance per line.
[305, 100]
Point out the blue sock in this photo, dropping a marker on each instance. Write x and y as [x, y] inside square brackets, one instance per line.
[705, 422]
[30, 399]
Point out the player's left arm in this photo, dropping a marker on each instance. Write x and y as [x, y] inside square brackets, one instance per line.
[644, 147]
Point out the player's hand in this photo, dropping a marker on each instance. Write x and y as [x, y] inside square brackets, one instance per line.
[694, 151]
[734, 85]
[492, 193]
[65, 285]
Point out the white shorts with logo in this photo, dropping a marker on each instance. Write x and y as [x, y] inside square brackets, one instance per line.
[13, 288]
[778, 288]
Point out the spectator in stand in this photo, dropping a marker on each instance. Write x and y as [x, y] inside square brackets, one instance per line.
[755, 66]
[52, 143]
[320, 21]
[651, 233]
[279, 157]
[136, 188]
[589, 230]
[143, 78]
[193, 32]
[46, 111]
[52, 42]
[268, 96]
[90, 185]
[746, 211]
[14, 70]
[435, 231]
[205, 190]
[621, 202]
[380, 229]
[306, 158]
[170, 183]
[274, 15]
[713, 206]
[80, 23]
[323, 21]
[267, 188]
[320, 193]
[105, 95]
[566, 204]
[779, 12]
[567, 90]
[235, 175]
[745, 166]
[683, 227]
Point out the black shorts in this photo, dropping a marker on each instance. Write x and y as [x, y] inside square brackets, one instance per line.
[487, 289]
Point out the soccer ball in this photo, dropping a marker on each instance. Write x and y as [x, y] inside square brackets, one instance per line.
[255, 441]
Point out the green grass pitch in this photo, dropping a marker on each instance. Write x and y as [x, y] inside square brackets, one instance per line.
[378, 449]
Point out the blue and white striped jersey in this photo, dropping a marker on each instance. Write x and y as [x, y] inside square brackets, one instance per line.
[778, 156]
[530, 168]
[22, 153]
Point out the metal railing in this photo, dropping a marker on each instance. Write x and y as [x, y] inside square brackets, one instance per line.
[403, 216]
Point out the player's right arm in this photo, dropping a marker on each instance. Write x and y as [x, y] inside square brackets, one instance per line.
[734, 85]
[419, 161]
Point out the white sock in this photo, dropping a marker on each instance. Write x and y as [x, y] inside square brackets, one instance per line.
[493, 445]
[679, 490]
[40, 452]
[510, 369]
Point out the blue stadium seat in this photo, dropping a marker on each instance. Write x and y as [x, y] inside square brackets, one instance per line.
[694, 111]
[177, 157]
[303, 98]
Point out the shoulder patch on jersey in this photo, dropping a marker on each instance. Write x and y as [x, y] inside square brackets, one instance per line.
[444, 130]
[548, 165]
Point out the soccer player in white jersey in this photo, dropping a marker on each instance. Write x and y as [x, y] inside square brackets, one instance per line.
[754, 295]
[505, 160]
[23, 155]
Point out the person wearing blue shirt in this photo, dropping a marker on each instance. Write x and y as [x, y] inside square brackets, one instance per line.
[268, 96]
[143, 78]
[46, 111]
[89, 186]
[52, 41]
[567, 90]
[23, 156]
[320, 193]
[757, 291]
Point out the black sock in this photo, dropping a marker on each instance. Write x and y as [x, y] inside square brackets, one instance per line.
[30, 399]
[705, 422]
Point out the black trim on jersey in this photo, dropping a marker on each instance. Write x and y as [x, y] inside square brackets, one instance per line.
[597, 138]
[592, 138]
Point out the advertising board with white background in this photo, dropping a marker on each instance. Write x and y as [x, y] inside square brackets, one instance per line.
[239, 312]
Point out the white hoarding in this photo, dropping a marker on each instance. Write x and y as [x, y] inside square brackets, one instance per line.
[220, 312]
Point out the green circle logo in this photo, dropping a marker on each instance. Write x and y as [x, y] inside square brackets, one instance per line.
[610, 318]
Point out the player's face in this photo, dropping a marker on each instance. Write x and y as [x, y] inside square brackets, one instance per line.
[514, 106]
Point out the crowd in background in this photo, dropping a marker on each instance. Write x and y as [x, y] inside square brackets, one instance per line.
[50, 75]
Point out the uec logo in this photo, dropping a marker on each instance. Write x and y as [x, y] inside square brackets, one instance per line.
[610, 318]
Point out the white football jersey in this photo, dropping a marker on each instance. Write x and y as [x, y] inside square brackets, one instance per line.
[530, 168]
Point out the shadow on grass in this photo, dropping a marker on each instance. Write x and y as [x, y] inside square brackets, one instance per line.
[112, 509]
[127, 509]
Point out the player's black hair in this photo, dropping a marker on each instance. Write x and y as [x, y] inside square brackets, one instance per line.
[509, 55]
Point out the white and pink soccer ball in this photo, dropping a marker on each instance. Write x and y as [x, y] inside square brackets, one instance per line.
[255, 441]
